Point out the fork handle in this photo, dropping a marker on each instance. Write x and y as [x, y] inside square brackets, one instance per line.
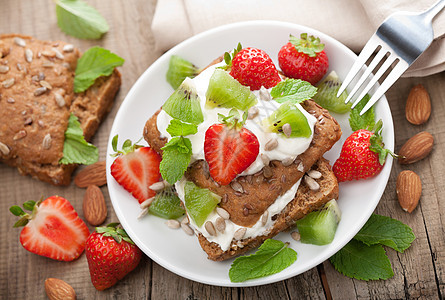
[431, 12]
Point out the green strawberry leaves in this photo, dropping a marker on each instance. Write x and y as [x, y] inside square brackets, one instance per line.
[116, 232]
[127, 146]
[24, 216]
[309, 45]
[229, 57]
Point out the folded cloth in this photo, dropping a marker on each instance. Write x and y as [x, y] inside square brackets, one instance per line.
[349, 21]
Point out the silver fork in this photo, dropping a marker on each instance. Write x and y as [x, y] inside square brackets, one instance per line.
[401, 38]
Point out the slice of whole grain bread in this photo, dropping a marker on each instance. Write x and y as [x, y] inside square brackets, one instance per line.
[36, 102]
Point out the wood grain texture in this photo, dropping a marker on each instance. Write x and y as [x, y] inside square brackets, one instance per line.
[419, 272]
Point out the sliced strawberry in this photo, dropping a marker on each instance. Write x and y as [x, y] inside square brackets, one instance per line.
[136, 171]
[53, 229]
[229, 150]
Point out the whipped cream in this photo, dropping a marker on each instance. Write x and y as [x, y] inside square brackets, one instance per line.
[288, 148]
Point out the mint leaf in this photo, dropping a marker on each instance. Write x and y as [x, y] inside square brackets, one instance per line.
[386, 231]
[272, 257]
[359, 261]
[94, 63]
[177, 128]
[176, 157]
[366, 121]
[78, 19]
[293, 90]
[75, 149]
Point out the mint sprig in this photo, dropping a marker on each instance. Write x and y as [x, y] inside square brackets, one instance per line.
[364, 257]
[76, 150]
[178, 128]
[176, 157]
[365, 121]
[94, 63]
[78, 19]
[272, 257]
[293, 90]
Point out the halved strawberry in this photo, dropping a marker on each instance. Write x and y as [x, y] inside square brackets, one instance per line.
[229, 149]
[53, 229]
[136, 169]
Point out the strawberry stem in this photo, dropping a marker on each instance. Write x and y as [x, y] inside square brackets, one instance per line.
[377, 144]
[116, 231]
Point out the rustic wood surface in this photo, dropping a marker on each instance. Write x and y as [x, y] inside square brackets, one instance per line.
[419, 272]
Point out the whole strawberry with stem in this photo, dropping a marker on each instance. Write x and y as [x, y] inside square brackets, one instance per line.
[304, 58]
[362, 155]
[136, 168]
[52, 229]
[252, 67]
[229, 148]
[111, 255]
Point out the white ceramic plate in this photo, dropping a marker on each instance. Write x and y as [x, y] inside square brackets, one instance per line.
[181, 253]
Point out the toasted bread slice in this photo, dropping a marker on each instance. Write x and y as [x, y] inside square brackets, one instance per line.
[36, 99]
[306, 200]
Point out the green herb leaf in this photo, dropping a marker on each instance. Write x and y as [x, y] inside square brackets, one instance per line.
[386, 231]
[16, 210]
[176, 157]
[75, 149]
[178, 128]
[272, 257]
[78, 19]
[363, 262]
[29, 205]
[309, 45]
[366, 121]
[293, 90]
[94, 63]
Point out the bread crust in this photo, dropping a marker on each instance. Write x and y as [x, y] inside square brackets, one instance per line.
[32, 121]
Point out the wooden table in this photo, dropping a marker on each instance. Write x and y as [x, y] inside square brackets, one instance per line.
[419, 272]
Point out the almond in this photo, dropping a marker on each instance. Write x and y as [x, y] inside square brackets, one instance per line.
[94, 207]
[416, 148]
[57, 289]
[94, 174]
[409, 189]
[418, 105]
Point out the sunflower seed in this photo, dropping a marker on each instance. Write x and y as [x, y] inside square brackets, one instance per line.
[28, 55]
[35, 78]
[271, 144]
[147, 202]
[4, 69]
[252, 112]
[210, 228]
[264, 94]
[28, 121]
[295, 235]
[187, 229]
[300, 167]
[236, 186]
[264, 217]
[287, 161]
[245, 211]
[173, 224]
[287, 129]
[8, 83]
[45, 84]
[222, 212]
[48, 53]
[59, 55]
[239, 234]
[312, 184]
[265, 159]
[185, 220]
[10, 100]
[68, 48]
[19, 135]
[41, 76]
[249, 179]
[314, 174]
[46, 144]
[143, 213]
[157, 186]
[19, 42]
[21, 68]
[4, 149]
[40, 91]
[220, 224]
[59, 100]
[48, 64]
[267, 172]
[283, 178]
[224, 198]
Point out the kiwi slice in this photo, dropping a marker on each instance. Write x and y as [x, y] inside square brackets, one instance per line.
[326, 95]
[226, 91]
[178, 69]
[319, 227]
[166, 205]
[199, 202]
[288, 113]
[184, 103]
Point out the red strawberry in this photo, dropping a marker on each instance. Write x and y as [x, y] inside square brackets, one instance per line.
[111, 255]
[229, 149]
[53, 229]
[254, 68]
[304, 59]
[136, 169]
[362, 156]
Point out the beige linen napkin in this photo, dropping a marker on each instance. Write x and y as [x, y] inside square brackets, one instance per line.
[349, 21]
